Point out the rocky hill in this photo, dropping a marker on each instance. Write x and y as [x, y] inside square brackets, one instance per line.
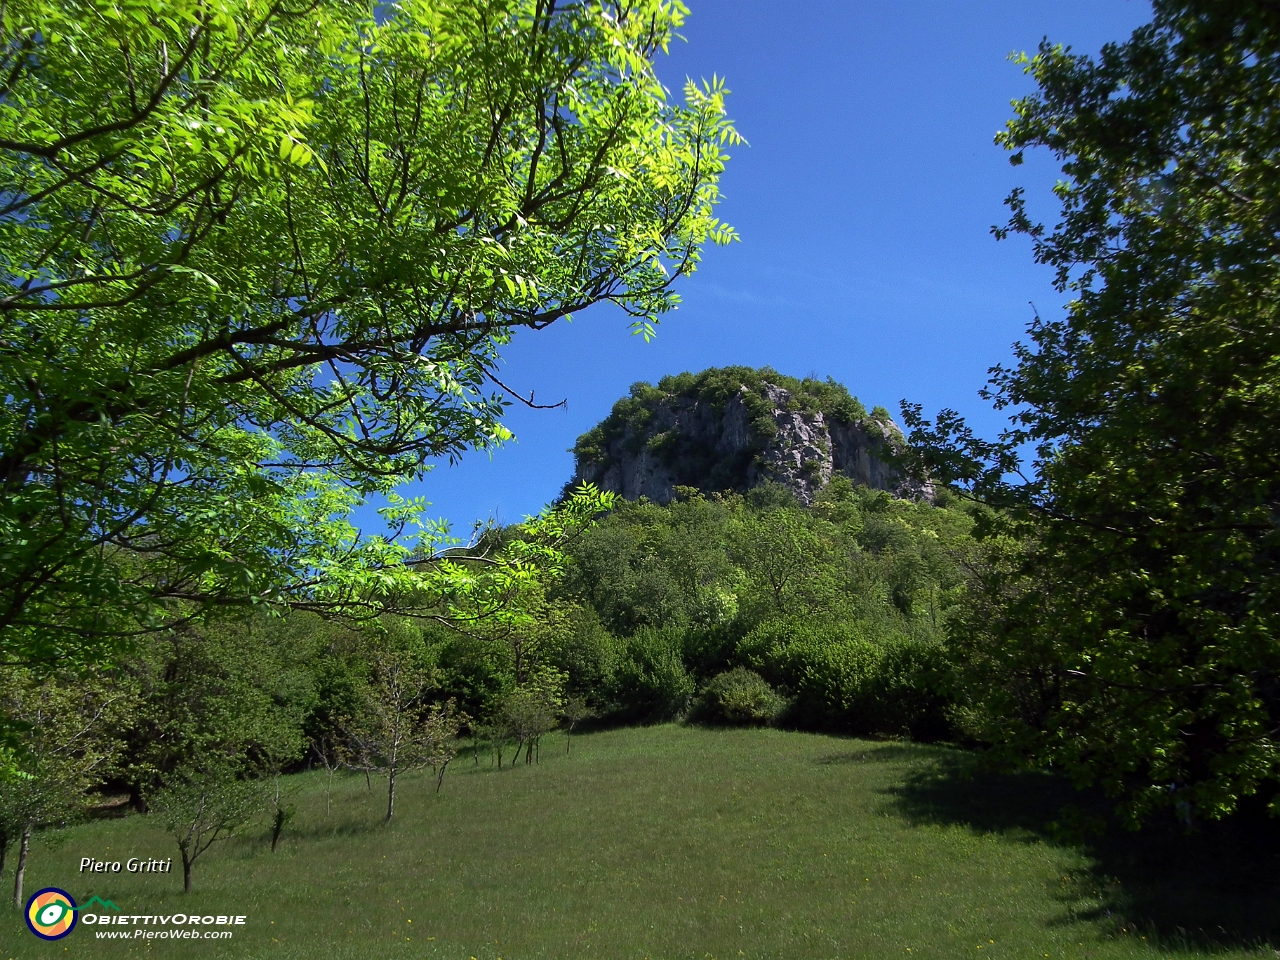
[734, 428]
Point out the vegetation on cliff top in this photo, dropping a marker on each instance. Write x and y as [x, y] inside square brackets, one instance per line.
[630, 419]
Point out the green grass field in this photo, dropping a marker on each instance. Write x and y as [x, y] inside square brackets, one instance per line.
[675, 842]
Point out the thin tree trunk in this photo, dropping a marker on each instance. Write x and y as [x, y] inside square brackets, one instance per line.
[22, 864]
[368, 784]
[277, 824]
[328, 792]
[440, 780]
[391, 793]
[186, 872]
[277, 828]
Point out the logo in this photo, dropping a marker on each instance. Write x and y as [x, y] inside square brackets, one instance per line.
[51, 913]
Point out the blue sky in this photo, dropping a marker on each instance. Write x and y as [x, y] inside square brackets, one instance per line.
[864, 203]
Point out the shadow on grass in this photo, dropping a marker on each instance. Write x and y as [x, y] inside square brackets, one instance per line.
[888, 753]
[1216, 886]
[325, 830]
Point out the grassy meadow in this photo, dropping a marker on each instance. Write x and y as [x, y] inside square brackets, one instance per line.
[680, 842]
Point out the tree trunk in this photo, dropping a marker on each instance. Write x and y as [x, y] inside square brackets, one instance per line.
[277, 827]
[440, 779]
[391, 793]
[186, 872]
[328, 791]
[22, 865]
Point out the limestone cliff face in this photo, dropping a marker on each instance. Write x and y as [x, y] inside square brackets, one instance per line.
[699, 431]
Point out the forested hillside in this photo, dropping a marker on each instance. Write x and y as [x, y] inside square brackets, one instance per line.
[841, 607]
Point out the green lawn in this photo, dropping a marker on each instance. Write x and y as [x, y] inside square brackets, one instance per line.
[674, 842]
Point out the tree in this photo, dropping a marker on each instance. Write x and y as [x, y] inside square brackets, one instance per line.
[68, 744]
[259, 264]
[236, 689]
[204, 804]
[1125, 617]
[332, 754]
[574, 711]
[399, 729]
[282, 812]
[786, 556]
[530, 710]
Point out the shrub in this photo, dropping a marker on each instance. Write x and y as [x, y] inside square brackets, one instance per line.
[586, 653]
[709, 650]
[650, 682]
[849, 676]
[911, 701]
[738, 696]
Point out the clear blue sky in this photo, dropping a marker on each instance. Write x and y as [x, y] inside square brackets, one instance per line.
[864, 202]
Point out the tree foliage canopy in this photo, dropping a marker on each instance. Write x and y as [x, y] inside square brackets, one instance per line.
[257, 261]
[1128, 621]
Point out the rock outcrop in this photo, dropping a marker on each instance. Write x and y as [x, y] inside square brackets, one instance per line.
[736, 428]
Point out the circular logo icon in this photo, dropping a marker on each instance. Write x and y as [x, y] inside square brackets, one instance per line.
[51, 913]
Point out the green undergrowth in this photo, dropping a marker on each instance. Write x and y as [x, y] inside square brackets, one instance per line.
[680, 842]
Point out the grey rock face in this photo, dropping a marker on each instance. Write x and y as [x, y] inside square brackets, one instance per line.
[689, 442]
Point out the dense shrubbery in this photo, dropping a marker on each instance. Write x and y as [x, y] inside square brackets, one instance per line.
[845, 677]
[841, 609]
[738, 696]
[649, 681]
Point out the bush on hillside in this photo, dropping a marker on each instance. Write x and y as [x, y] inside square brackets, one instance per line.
[649, 681]
[844, 676]
[709, 650]
[586, 653]
[739, 697]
